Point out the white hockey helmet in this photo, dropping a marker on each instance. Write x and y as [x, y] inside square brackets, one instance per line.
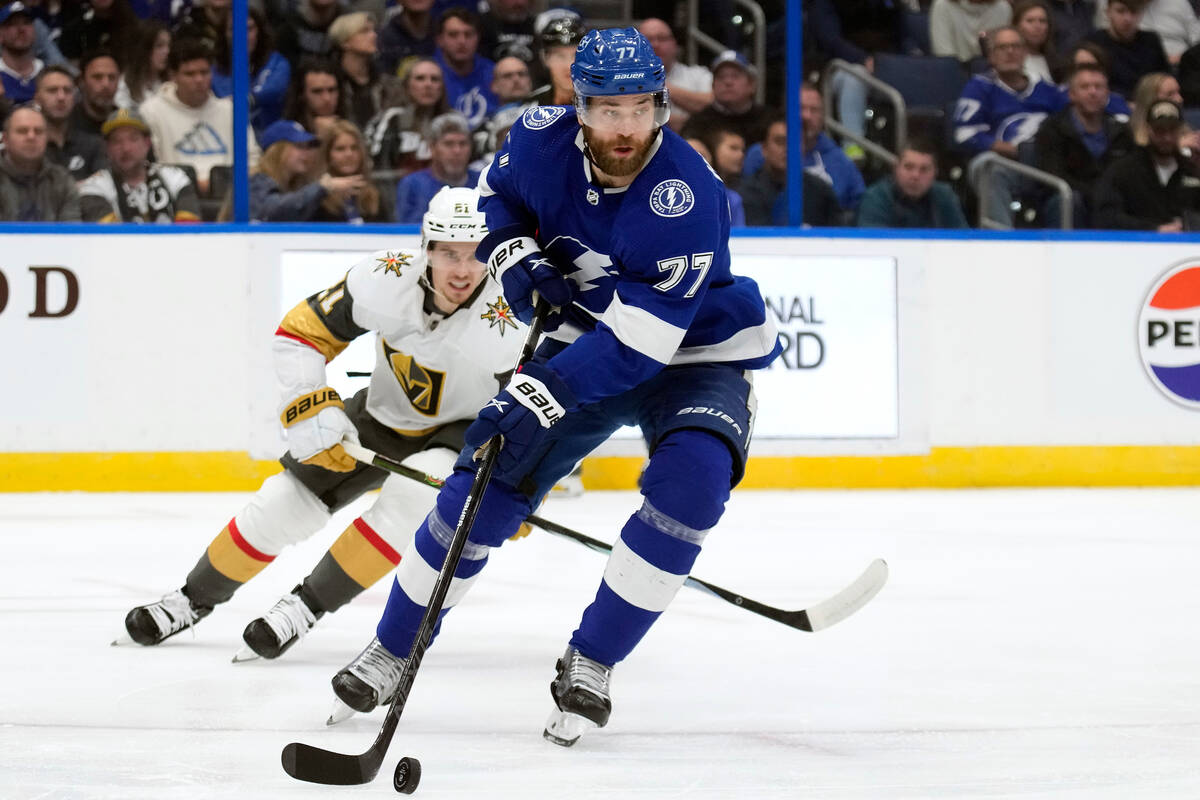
[453, 216]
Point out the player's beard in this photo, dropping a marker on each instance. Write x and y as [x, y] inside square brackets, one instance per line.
[599, 150]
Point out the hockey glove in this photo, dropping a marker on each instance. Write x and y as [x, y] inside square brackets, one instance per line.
[524, 414]
[522, 269]
[315, 424]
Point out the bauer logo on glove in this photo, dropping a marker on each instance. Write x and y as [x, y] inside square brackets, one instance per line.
[310, 404]
[315, 424]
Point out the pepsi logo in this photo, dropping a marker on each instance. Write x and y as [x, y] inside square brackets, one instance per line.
[1169, 334]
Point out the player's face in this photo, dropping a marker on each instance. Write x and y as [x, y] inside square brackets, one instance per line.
[619, 132]
[456, 272]
[127, 149]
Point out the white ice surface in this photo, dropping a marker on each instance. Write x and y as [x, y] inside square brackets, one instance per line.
[1030, 644]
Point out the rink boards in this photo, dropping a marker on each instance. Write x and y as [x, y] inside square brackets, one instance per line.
[142, 362]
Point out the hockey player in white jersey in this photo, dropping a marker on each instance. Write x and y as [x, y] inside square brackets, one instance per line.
[611, 217]
[446, 342]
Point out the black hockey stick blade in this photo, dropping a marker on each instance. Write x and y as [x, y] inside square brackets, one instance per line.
[314, 765]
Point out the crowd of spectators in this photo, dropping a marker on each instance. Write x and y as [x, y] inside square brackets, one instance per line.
[359, 110]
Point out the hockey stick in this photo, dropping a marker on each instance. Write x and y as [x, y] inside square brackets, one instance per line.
[825, 613]
[315, 765]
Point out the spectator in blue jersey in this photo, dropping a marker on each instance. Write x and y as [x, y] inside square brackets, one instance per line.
[764, 194]
[19, 67]
[631, 243]
[450, 155]
[468, 75]
[822, 156]
[1078, 143]
[284, 186]
[270, 72]
[1132, 53]
[407, 33]
[999, 111]
[912, 197]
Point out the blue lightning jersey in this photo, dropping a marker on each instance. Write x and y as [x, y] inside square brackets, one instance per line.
[650, 260]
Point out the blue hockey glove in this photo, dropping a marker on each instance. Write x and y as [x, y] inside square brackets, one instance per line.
[524, 414]
[518, 263]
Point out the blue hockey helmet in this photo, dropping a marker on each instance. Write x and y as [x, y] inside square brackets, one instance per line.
[614, 62]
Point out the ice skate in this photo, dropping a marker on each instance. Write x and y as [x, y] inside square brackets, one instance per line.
[153, 623]
[370, 680]
[581, 693]
[273, 633]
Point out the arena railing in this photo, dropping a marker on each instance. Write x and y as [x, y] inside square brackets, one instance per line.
[989, 163]
[697, 38]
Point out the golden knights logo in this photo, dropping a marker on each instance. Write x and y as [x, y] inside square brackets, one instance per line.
[499, 313]
[422, 386]
[392, 262]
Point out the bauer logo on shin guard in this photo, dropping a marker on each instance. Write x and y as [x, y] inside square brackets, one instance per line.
[533, 394]
[310, 405]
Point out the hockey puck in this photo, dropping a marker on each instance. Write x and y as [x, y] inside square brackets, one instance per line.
[407, 776]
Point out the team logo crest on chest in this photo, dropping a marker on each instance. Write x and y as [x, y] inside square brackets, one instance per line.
[393, 262]
[421, 385]
[538, 117]
[672, 198]
[499, 314]
[593, 197]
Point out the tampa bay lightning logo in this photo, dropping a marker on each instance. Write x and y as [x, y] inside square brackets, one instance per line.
[672, 198]
[539, 117]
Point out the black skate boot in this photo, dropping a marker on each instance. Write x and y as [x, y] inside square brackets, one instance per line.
[581, 693]
[370, 680]
[273, 633]
[153, 623]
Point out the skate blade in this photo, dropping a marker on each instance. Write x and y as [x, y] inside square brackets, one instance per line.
[123, 639]
[245, 654]
[339, 713]
[564, 729]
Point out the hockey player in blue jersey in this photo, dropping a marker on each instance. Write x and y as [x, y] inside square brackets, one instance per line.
[616, 221]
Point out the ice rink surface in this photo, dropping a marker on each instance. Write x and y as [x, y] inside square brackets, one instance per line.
[1030, 644]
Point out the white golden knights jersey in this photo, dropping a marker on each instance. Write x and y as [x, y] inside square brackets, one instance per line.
[430, 368]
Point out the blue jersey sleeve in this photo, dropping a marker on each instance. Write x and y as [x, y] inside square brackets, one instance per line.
[972, 124]
[499, 190]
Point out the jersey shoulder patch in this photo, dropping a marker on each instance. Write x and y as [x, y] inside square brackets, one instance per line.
[672, 198]
[536, 118]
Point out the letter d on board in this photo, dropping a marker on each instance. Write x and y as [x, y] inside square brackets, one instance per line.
[40, 308]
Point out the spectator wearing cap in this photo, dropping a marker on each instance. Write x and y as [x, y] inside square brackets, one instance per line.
[1154, 187]
[285, 187]
[690, 85]
[468, 75]
[99, 76]
[407, 33]
[80, 152]
[822, 157]
[559, 32]
[188, 123]
[734, 82]
[365, 90]
[132, 189]
[450, 156]
[912, 197]
[1078, 143]
[304, 31]
[33, 188]
[19, 67]
[1132, 53]
[956, 27]
[506, 30]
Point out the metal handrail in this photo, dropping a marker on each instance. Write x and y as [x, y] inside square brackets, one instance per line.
[886, 89]
[696, 37]
[987, 162]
